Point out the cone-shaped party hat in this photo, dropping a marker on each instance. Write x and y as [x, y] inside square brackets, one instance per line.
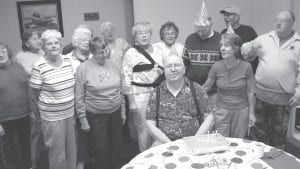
[230, 29]
[202, 19]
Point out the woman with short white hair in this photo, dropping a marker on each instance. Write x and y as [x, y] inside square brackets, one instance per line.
[80, 42]
[81, 52]
[117, 46]
[52, 84]
[141, 69]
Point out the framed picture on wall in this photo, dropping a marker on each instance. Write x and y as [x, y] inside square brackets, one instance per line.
[40, 15]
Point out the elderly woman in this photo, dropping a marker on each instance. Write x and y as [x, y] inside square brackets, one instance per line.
[31, 50]
[30, 53]
[140, 71]
[176, 108]
[52, 83]
[80, 41]
[168, 34]
[70, 47]
[98, 100]
[14, 114]
[117, 45]
[235, 89]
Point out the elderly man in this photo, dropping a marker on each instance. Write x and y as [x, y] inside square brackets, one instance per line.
[175, 110]
[231, 16]
[201, 52]
[277, 78]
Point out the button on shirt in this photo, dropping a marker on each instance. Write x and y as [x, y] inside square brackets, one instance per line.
[177, 116]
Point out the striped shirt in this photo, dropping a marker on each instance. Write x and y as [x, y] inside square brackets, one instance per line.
[56, 85]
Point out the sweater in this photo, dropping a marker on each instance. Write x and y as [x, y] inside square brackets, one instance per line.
[27, 59]
[14, 103]
[199, 55]
[97, 88]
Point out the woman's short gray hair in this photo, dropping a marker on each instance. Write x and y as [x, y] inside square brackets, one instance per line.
[139, 25]
[48, 34]
[80, 31]
[105, 25]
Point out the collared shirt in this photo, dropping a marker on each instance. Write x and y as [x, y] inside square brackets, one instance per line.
[76, 61]
[177, 116]
[167, 49]
[56, 85]
[278, 70]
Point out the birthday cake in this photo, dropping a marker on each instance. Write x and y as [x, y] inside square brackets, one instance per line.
[207, 143]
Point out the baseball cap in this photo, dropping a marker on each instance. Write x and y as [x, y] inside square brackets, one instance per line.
[231, 9]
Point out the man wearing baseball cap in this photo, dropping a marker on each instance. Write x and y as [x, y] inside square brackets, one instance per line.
[231, 16]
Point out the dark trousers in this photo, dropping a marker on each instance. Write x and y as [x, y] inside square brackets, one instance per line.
[84, 146]
[106, 136]
[21, 129]
[272, 124]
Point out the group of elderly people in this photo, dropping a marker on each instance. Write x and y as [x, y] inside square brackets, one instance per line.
[74, 101]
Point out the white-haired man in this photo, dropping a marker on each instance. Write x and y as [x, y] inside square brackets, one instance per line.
[277, 78]
[177, 109]
[201, 51]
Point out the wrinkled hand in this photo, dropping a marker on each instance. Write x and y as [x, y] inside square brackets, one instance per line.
[157, 72]
[294, 101]
[2, 132]
[84, 125]
[252, 119]
[256, 45]
[123, 116]
[249, 49]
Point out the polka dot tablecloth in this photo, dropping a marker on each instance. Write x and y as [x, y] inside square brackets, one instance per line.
[240, 156]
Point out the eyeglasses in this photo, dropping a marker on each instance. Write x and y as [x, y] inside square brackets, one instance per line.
[104, 51]
[278, 20]
[175, 66]
[140, 33]
[170, 33]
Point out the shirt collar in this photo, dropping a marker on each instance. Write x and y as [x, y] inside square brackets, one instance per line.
[186, 83]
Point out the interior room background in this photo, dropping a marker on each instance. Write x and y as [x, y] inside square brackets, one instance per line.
[124, 13]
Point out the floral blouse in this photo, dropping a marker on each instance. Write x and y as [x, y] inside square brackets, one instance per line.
[131, 59]
[177, 116]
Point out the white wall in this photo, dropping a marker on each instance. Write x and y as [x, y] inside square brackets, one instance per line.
[117, 11]
[295, 5]
[257, 13]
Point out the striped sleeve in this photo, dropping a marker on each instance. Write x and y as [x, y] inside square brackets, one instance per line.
[36, 80]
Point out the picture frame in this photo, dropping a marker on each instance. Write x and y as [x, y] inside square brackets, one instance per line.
[40, 15]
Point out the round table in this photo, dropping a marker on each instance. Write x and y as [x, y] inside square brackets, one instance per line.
[240, 155]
